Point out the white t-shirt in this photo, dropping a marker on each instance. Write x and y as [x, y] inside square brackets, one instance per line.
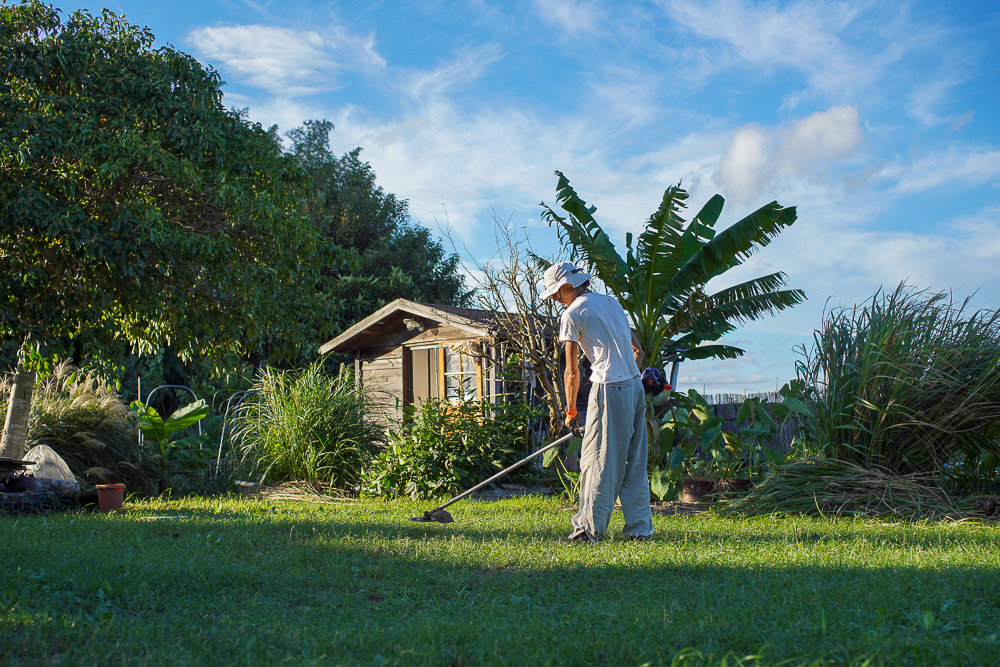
[598, 323]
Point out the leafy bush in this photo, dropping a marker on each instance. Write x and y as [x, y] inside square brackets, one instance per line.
[690, 441]
[908, 382]
[87, 424]
[444, 447]
[308, 426]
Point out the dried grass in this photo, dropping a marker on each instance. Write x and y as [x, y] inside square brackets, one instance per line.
[316, 492]
[830, 487]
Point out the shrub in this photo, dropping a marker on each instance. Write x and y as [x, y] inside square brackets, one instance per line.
[908, 382]
[87, 424]
[444, 447]
[690, 441]
[308, 426]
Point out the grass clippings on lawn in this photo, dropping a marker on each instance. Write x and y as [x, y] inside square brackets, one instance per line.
[676, 508]
[253, 581]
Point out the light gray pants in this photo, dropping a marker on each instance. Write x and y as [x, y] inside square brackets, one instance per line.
[613, 460]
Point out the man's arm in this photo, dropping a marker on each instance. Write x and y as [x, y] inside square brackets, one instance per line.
[636, 349]
[572, 376]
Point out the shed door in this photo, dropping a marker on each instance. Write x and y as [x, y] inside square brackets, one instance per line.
[425, 374]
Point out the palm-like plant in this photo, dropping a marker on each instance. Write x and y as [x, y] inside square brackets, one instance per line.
[661, 281]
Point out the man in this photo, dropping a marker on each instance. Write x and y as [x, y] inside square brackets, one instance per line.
[613, 457]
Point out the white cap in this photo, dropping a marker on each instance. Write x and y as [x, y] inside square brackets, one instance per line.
[563, 273]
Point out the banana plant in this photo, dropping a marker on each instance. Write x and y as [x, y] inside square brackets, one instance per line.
[661, 281]
[169, 454]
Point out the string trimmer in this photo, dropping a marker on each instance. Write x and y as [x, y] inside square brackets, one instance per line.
[441, 515]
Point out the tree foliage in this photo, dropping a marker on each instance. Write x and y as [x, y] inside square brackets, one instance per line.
[370, 251]
[662, 279]
[138, 215]
[134, 208]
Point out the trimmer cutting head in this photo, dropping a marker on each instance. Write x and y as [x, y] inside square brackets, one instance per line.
[439, 515]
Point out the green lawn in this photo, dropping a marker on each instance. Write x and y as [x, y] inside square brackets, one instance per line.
[249, 582]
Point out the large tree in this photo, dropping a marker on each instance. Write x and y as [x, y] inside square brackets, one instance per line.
[371, 251]
[134, 208]
[662, 281]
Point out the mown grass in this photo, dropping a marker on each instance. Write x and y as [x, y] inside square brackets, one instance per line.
[251, 582]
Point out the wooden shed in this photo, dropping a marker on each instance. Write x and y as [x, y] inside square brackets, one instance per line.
[408, 351]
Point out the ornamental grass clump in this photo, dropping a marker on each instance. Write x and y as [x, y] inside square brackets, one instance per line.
[908, 383]
[85, 421]
[309, 426]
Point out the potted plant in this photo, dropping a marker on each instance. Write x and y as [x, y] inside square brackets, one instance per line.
[682, 450]
[697, 448]
[698, 481]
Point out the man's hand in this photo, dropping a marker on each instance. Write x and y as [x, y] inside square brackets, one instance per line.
[572, 420]
[637, 349]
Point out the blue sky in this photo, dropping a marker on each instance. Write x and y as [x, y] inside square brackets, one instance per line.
[878, 120]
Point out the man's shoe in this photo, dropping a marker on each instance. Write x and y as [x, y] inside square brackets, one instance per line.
[581, 535]
[640, 538]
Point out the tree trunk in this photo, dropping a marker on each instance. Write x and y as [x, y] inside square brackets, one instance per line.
[15, 428]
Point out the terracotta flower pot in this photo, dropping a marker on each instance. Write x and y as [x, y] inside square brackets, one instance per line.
[110, 496]
[692, 490]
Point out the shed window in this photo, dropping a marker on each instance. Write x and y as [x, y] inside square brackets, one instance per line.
[453, 371]
[461, 375]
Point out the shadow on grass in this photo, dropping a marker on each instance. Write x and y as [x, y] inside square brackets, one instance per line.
[394, 524]
[362, 586]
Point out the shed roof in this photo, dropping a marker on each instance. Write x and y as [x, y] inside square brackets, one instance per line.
[476, 322]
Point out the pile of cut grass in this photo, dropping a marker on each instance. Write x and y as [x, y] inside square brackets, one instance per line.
[231, 581]
[828, 487]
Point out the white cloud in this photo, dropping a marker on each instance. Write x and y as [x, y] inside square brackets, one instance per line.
[848, 52]
[571, 16]
[625, 93]
[961, 121]
[741, 170]
[283, 61]
[455, 166]
[925, 97]
[962, 166]
[756, 159]
[823, 137]
[802, 35]
[429, 86]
